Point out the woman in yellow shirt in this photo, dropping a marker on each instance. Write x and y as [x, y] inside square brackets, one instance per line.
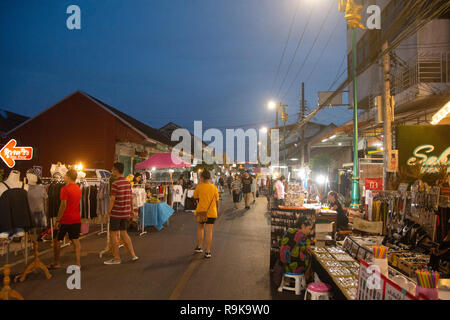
[208, 197]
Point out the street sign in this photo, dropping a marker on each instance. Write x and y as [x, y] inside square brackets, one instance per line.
[10, 153]
[324, 95]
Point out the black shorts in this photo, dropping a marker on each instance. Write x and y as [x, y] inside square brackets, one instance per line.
[209, 221]
[73, 230]
[118, 224]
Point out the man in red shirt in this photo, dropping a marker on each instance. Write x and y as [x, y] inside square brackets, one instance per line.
[69, 218]
[120, 210]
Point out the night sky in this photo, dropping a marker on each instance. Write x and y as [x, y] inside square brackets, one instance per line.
[169, 60]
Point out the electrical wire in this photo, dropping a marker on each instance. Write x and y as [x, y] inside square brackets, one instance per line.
[338, 75]
[323, 50]
[295, 52]
[309, 52]
[285, 47]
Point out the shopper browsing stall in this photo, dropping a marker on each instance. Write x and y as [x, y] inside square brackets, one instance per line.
[69, 218]
[121, 209]
[279, 192]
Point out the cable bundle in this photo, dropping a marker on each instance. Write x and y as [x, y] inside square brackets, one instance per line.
[379, 252]
[427, 279]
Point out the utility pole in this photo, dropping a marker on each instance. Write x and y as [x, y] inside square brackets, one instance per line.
[303, 127]
[276, 115]
[387, 114]
[284, 117]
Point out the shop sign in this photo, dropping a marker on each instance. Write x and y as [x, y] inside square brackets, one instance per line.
[10, 153]
[374, 184]
[430, 163]
[427, 145]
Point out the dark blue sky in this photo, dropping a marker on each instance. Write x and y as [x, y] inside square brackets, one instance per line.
[167, 60]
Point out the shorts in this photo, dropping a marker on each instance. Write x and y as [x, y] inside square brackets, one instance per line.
[209, 221]
[73, 230]
[236, 197]
[118, 224]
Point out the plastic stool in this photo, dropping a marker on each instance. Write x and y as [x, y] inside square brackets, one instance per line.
[318, 291]
[300, 283]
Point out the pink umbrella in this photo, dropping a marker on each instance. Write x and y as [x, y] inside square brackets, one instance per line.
[162, 161]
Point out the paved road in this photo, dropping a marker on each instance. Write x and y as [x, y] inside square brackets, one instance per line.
[167, 268]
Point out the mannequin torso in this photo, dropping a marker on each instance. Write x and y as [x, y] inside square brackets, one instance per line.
[13, 181]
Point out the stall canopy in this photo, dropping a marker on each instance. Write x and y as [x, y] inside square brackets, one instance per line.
[162, 161]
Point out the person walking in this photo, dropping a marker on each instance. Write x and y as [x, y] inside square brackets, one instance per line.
[236, 187]
[229, 182]
[221, 186]
[120, 211]
[254, 188]
[208, 203]
[247, 188]
[68, 219]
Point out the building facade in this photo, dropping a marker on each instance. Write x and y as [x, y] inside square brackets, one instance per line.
[83, 129]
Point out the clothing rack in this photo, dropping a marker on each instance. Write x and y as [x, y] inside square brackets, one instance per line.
[6, 293]
[142, 185]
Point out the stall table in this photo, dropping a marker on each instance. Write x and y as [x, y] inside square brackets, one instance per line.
[155, 214]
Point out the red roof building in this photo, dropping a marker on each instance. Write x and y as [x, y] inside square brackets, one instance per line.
[83, 129]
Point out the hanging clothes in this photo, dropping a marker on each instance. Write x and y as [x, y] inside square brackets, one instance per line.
[15, 209]
[36, 198]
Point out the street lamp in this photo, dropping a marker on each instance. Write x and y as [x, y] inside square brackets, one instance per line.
[272, 105]
[353, 16]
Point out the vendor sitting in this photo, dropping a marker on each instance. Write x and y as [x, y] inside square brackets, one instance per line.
[293, 249]
[334, 204]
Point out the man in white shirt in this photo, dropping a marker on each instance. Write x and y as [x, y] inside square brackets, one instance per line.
[279, 191]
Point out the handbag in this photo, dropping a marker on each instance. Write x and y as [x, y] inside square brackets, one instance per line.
[202, 216]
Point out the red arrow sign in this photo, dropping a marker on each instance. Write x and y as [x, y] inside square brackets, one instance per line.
[10, 153]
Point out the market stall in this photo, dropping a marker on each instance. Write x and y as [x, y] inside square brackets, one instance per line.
[155, 214]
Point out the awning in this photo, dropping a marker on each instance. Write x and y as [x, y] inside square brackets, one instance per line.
[162, 161]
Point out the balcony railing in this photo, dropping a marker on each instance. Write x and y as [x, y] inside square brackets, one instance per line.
[429, 68]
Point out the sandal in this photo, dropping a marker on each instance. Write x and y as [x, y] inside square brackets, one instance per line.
[52, 266]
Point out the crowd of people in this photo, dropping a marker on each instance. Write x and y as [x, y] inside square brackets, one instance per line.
[208, 194]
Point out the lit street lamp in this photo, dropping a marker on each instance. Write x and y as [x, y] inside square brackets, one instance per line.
[353, 16]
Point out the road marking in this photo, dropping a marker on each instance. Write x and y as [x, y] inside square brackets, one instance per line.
[179, 288]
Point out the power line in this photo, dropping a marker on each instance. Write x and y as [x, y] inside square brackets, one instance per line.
[429, 13]
[323, 50]
[310, 50]
[295, 52]
[285, 47]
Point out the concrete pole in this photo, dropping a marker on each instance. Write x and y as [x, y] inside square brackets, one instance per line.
[387, 114]
[303, 127]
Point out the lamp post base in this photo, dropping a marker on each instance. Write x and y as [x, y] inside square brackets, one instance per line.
[355, 194]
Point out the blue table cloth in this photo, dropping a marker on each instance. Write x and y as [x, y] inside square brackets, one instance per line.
[156, 214]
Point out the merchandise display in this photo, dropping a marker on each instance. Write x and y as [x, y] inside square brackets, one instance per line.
[340, 266]
[295, 195]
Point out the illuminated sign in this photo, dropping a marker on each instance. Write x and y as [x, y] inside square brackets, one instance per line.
[424, 145]
[430, 163]
[441, 114]
[10, 153]
[374, 184]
